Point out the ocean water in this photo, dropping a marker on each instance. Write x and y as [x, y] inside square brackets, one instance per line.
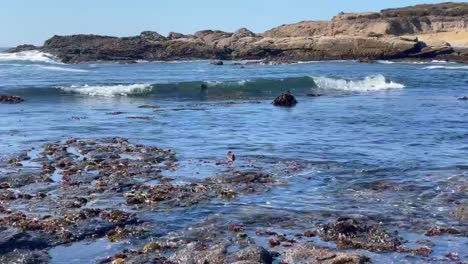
[394, 123]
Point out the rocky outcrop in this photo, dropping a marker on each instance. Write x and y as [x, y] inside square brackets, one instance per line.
[198, 253]
[285, 100]
[10, 99]
[312, 254]
[422, 32]
[447, 22]
[359, 234]
[12, 238]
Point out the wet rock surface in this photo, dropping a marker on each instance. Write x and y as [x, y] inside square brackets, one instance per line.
[89, 190]
[26, 257]
[313, 254]
[14, 238]
[357, 234]
[217, 63]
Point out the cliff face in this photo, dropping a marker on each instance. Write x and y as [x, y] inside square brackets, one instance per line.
[424, 31]
[420, 21]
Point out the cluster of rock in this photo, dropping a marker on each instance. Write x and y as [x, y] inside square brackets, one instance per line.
[420, 32]
[285, 100]
[10, 99]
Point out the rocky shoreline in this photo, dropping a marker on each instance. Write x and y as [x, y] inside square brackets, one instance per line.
[88, 189]
[423, 32]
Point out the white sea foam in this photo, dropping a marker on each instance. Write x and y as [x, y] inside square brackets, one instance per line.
[109, 90]
[370, 83]
[386, 62]
[56, 68]
[439, 61]
[413, 62]
[31, 55]
[438, 67]
[226, 83]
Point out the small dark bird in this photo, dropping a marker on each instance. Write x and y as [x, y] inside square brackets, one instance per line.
[230, 158]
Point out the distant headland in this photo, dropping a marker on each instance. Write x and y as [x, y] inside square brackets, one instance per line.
[419, 32]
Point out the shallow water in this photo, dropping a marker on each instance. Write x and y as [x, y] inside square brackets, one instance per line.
[399, 125]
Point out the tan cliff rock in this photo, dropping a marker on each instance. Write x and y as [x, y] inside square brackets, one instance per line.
[445, 22]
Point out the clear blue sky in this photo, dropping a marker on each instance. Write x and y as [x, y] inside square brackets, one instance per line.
[33, 21]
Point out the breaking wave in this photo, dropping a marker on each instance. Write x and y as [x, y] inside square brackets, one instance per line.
[413, 62]
[108, 90]
[62, 69]
[258, 88]
[31, 56]
[438, 67]
[370, 83]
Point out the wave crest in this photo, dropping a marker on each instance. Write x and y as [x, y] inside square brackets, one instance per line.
[243, 89]
[30, 55]
[108, 90]
[446, 68]
[370, 83]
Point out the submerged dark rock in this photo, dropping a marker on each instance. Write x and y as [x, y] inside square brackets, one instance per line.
[254, 254]
[438, 231]
[285, 100]
[10, 99]
[217, 63]
[26, 257]
[199, 253]
[366, 60]
[461, 213]
[13, 238]
[358, 234]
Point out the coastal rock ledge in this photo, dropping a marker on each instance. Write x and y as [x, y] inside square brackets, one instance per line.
[437, 31]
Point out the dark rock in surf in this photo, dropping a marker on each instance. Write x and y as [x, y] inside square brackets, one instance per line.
[314, 94]
[358, 234]
[461, 213]
[438, 231]
[285, 100]
[26, 257]
[12, 238]
[10, 99]
[308, 253]
[25, 47]
[366, 60]
[198, 253]
[254, 254]
[217, 63]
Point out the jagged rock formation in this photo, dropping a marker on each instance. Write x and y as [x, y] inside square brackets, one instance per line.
[423, 32]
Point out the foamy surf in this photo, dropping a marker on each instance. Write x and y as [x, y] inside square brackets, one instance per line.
[62, 69]
[438, 67]
[413, 62]
[108, 90]
[370, 83]
[385, 62]
[31, 55]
